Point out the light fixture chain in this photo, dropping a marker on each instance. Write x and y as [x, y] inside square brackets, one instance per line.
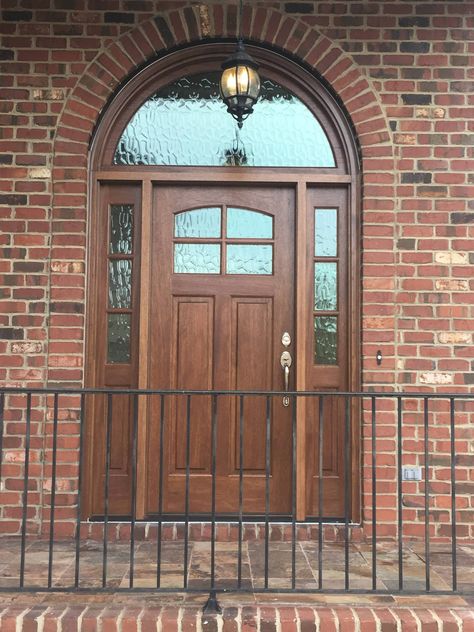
[240, 20]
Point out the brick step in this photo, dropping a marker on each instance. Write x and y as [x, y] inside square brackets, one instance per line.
[64, 617]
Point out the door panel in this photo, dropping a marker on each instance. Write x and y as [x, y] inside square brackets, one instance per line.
[251, 369]
[221, 331]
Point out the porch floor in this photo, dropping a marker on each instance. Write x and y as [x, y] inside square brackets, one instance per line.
[178, 611]
[226, 566]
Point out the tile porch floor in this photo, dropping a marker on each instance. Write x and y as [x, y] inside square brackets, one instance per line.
[226, 568]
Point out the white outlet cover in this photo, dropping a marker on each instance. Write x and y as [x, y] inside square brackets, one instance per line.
[411, 473]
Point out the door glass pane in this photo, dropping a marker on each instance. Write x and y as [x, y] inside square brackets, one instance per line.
[120, 227]
[203, 222]
[249, 259]
[120, 283]
[325, 232]
[118, 338]
[325, 286]
[197, 258]
[325, 340]
[248, 224]
[186, 123]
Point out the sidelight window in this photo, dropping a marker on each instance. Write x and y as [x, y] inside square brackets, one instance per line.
[326, 264]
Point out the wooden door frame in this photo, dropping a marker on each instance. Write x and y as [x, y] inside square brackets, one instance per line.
[317, 97]
[300, 181]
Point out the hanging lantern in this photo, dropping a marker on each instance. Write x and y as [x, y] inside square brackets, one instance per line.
[240, 83]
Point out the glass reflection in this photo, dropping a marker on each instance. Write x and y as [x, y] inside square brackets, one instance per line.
[120, 225]
[249, 259]
[248, 224]
[203, 222]
[325, 340]
[325, 286]
[325, 229]
[197, 258]
[186, 123]
[120, 283]
[118, 338]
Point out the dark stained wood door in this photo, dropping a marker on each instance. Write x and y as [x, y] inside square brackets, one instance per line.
[211, 270]
[221, 296]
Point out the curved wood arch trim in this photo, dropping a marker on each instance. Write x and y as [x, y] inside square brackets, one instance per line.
[267, 26]
[208, 57]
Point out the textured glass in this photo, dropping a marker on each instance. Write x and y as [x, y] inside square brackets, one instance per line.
[121, 225]
[118, 338]
[245, 259]
[325, 232]
[120, 283]
[186, 123]
[197, 258]
[325, 340]
[202, 222]
[248, 224]
[325, 286]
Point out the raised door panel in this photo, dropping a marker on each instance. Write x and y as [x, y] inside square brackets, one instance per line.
[252, 346]
[192, 366]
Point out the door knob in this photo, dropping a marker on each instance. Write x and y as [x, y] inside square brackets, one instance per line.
[285, 361]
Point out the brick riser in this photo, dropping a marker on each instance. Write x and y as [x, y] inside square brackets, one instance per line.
[224, 532]
[135, 618]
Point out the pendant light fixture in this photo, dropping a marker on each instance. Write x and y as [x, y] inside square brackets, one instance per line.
[240, 83]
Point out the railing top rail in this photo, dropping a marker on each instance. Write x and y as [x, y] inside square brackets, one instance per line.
[136, 391]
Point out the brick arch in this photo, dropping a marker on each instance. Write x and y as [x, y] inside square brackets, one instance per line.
[112, 67]
[136, 48]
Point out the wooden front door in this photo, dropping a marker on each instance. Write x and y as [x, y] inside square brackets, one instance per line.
[221, 295]
[195, 286]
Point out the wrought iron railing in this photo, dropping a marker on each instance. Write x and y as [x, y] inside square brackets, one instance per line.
[46, 543]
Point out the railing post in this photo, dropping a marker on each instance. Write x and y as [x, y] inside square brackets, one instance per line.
[453, 496]
[320, 489]
[399, 491]
[79, 491]
[374, 495]
[212, 605]
[53, 491]
[24, 516]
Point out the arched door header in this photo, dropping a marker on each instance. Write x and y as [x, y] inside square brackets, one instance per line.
[330, 125]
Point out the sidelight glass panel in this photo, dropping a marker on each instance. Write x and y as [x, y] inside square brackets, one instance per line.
[118, 338]
[325, 286]
[249, 259]
[325, 340]
[248, 224]
[186, 123]
[197, 258]
[120, 283]
[120, 229]
[203, 222]
[325, 232]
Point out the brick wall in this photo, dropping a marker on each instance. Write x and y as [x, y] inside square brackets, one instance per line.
[405, 74]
